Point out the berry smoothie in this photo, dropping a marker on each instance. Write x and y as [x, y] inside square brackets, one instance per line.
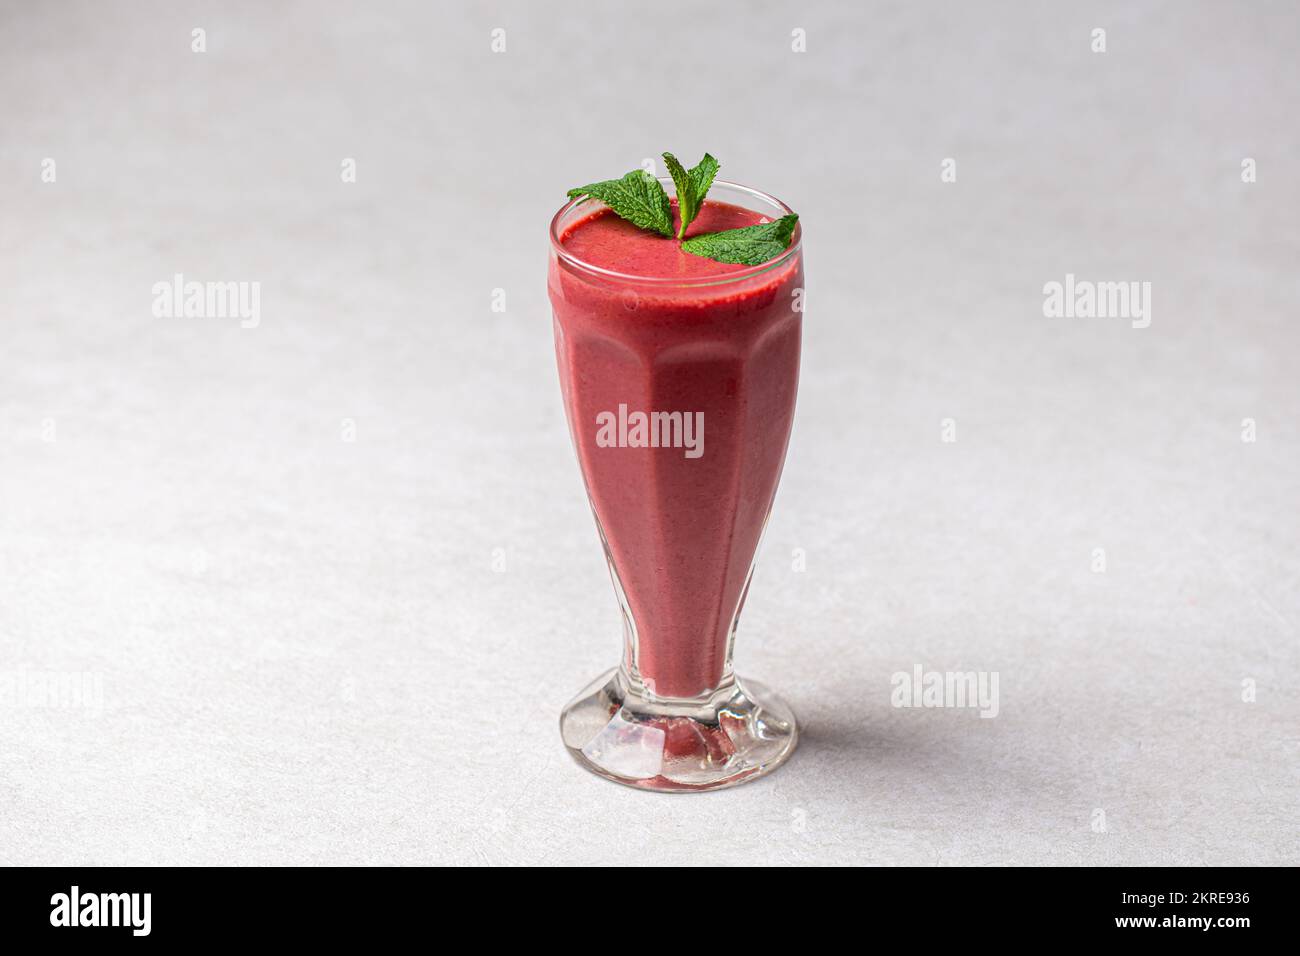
[644, 327]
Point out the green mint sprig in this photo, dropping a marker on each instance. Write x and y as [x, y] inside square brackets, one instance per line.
[640, 198]
[691, 186]
[746, 246]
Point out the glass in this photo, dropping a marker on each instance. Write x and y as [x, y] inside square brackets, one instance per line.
[680, 496]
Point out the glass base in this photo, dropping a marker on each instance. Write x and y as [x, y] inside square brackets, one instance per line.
[618, 731]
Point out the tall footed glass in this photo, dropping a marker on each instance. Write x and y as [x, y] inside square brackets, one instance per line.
[680, 391]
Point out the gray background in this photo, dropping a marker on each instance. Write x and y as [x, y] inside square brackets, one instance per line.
[304, 650]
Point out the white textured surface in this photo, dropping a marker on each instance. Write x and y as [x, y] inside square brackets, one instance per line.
[305, 653]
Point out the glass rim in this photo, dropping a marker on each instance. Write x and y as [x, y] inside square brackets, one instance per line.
[582, 265]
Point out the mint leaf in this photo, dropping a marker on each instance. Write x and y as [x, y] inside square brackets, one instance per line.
[747, 246]
[638, 197]
[691, 186]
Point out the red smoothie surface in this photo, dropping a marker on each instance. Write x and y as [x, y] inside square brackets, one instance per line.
[680, 532]
[609, 242]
